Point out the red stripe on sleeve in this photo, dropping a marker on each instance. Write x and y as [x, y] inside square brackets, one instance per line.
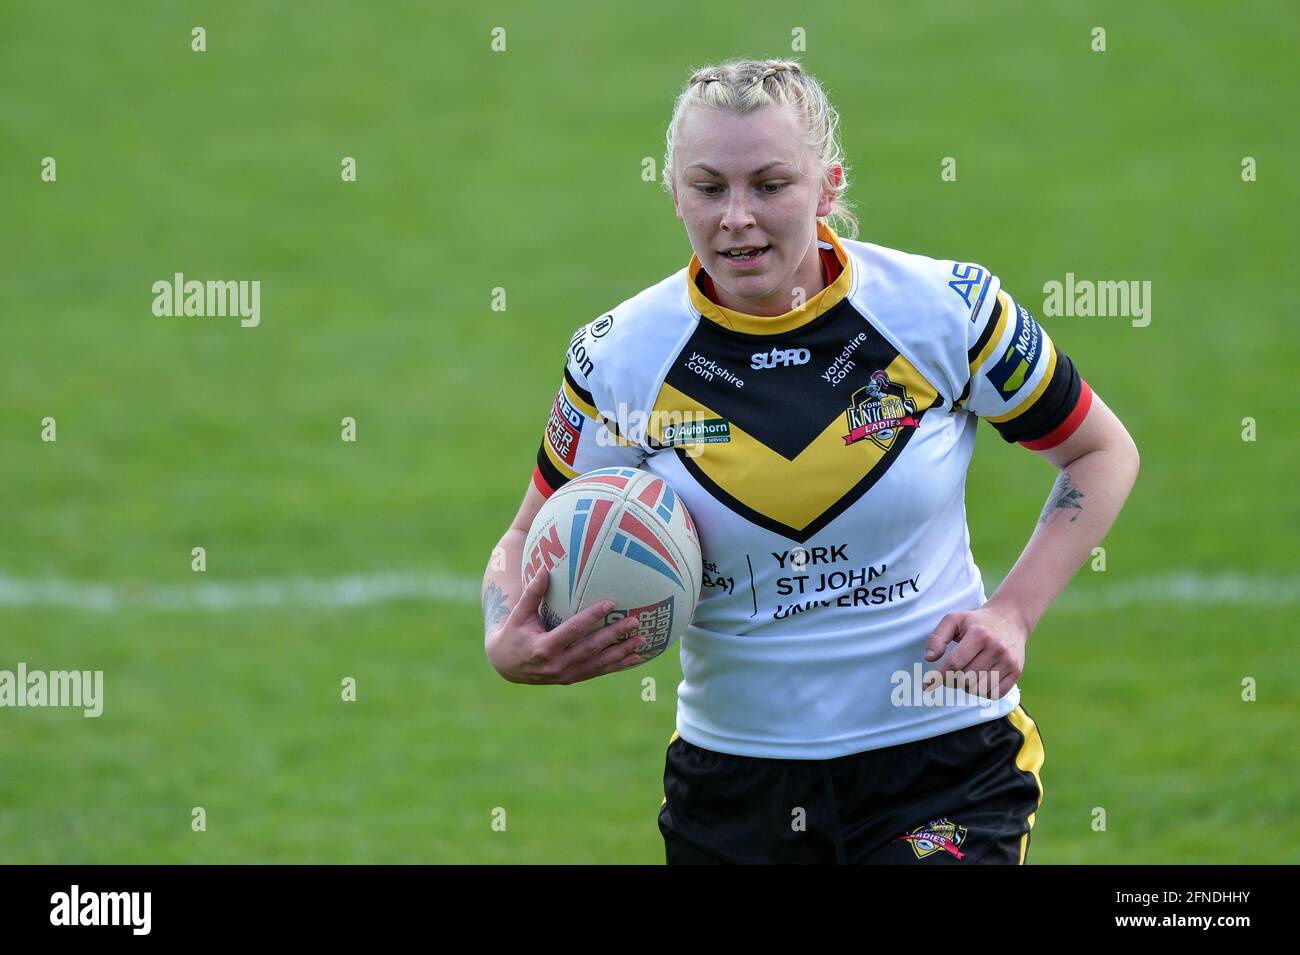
[541, 481]
[1068, 426]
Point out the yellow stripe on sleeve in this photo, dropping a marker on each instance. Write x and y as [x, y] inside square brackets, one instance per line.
[991, 345]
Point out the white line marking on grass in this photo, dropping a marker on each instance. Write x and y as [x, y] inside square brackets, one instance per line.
[359, 590]
[1184, 587]
[354, 590]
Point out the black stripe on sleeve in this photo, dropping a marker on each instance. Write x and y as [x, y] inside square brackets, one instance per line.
[991, 324]
[1053, 406]
[550, 474]
[578, 390]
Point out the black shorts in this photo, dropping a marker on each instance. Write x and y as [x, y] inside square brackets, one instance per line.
[964, 797]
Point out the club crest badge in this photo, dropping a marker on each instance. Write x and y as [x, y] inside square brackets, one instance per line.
[880, 410]
[936, 835]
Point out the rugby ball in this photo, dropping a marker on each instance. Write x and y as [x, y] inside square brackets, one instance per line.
[619, 533]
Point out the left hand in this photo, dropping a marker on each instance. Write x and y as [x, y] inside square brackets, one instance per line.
[990, 640]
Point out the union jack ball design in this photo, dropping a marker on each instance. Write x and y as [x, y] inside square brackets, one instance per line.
[621, 533]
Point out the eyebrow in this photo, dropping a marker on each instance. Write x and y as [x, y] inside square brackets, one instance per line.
[710, 169]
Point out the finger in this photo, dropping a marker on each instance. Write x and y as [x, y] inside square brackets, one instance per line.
[947, 630]
[633, 659]
[983, 675]
[1004, 687]
[526, 608]
[966, 680]
[593, 644]
[971, 646]
[620, 656]
[953, 679]
[581, 625]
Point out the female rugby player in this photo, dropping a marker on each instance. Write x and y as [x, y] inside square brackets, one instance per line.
[849, 690]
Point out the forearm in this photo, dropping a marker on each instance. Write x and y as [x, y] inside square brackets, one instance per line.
[501, 582]
[1085, 500]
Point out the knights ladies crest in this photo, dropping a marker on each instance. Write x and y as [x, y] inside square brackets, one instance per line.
[879, 411]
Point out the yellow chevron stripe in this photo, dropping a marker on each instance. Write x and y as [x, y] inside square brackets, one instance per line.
[761, 478]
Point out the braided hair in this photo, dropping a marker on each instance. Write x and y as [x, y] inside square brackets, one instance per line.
[743, 86]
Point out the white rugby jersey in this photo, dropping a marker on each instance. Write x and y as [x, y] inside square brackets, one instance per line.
[823, 456]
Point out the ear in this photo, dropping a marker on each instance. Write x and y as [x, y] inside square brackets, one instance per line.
[677, 205]
[827, 199]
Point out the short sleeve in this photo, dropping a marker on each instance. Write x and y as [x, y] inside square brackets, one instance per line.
[579, 437]
[1019, 381]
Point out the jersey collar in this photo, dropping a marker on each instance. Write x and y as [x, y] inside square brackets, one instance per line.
[820, 303]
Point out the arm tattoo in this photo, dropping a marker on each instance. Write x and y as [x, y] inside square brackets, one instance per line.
[1064, 496]
[496, 606]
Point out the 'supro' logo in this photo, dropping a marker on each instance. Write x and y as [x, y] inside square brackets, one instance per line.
[880, 411]
[779, 357]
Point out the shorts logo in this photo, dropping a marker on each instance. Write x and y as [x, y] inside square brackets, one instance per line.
[935, 835]
[564, 428]
[880, 411]
[1017, 363]
[968, 281]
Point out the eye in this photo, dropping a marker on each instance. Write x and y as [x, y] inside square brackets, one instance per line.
[707, 185]
[779, 187]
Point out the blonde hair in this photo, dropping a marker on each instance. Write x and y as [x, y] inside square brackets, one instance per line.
[743, 86]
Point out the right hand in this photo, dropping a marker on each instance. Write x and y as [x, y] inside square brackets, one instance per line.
[522, 650]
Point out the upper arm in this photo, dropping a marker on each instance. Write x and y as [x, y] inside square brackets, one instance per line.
[582, 432]
[532, 503]
[1099, 430]
[1026, 387]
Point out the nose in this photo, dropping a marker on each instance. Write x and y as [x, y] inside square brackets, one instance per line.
[736, 216]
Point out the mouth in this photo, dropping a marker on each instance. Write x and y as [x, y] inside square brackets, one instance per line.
[746, 257]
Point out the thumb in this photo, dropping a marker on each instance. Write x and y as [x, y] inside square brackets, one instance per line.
[938, 640]
[531, 599]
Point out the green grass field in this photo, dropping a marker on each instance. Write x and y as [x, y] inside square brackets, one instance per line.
[521, 170]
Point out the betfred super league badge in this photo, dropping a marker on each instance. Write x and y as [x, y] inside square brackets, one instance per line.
[880, 410]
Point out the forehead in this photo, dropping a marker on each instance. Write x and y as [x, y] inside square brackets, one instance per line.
[735, 142]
